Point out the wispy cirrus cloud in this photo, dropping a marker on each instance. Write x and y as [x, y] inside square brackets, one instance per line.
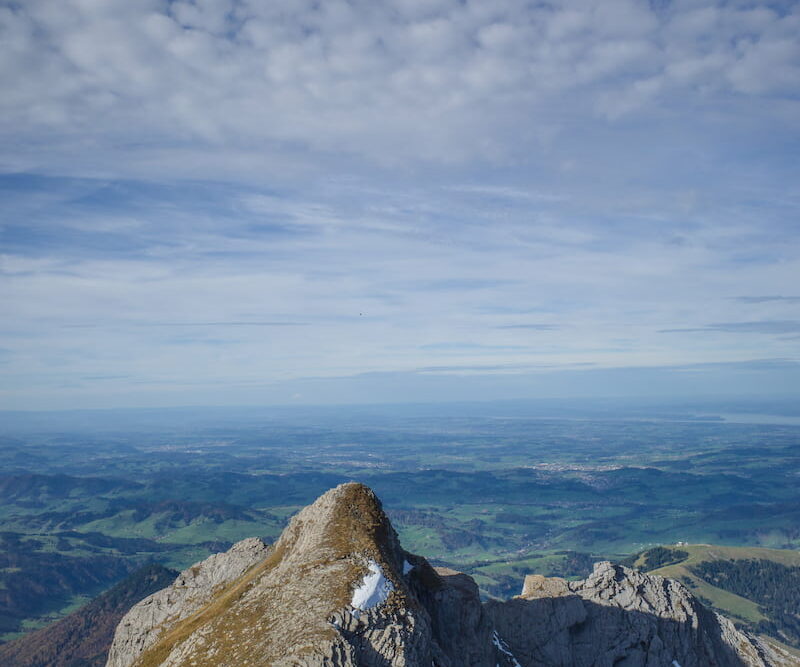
[193, 324]
[768, 299]
[763, 327]
[531, 327]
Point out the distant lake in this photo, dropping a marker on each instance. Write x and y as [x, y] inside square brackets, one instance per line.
[756, 418]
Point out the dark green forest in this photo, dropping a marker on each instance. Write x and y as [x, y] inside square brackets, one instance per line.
[775, 587]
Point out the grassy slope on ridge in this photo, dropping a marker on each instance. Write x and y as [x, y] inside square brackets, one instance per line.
[734, 606]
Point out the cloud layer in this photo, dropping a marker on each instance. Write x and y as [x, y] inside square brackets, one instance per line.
[204, 199]
[443, 81]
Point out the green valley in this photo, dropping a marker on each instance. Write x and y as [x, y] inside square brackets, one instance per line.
[495, 490]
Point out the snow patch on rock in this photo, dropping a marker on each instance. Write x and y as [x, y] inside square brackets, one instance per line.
[373, 590]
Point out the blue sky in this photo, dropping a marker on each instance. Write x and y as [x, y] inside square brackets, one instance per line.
[234, 202]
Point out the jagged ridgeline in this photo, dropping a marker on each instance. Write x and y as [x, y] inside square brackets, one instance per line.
[337, 589]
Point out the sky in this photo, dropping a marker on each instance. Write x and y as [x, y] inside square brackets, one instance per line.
[229, 202]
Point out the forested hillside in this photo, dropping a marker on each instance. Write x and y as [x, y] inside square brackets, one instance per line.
[773, 586]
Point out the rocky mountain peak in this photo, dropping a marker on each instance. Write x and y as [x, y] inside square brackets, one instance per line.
[346, 522]
[335, 585]
[338, 590]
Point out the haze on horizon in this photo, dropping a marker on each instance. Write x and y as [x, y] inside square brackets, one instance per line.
[232, 202]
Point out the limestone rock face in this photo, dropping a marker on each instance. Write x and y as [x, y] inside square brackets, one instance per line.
[192, 589]
[619, 616]
[338, 590]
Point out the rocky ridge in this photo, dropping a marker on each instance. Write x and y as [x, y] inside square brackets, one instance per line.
[338, 590]
[621, 616]
[191, 591]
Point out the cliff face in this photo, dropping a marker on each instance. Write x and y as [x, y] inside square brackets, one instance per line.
[337, 589]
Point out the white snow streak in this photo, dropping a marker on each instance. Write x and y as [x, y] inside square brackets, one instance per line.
[407, 567]
[503, 648]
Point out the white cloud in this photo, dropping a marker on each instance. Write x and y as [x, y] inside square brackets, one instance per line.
[387, 82]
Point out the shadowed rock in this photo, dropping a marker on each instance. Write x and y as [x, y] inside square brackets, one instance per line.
[618, 616]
